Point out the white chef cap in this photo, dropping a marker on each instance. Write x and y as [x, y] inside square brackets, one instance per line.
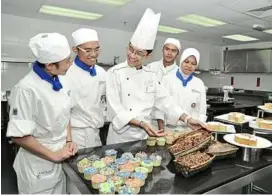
[190, 52]
[84, 35]
[49, 47]
[145, 34]
[174, 42]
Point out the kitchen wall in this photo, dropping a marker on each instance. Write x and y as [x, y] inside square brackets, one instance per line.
[16, 32]
[241, 80]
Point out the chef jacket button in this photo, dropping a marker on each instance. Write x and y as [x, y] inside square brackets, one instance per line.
[130, 109]
[127, 78]
[128, 94]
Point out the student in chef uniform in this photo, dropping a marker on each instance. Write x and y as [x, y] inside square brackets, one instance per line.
[187, 90]
[133, 90]
[87, 82]
[167, 65]
[39, 118]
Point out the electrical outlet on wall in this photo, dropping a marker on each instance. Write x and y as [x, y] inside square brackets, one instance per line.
[258, 83]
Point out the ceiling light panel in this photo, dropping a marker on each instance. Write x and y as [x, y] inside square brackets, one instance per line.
[59, 11]
[239, 37]
[168, 29]
[116, 3]
[201, 20]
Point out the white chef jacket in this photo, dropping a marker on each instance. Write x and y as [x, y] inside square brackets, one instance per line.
[87, 114]
[162, 71]
[191, 98]
[133, 93]
[38, 110]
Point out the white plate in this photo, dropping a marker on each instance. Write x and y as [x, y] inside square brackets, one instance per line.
[230, 128]
[261, 142]
[224, 118]
[264, 109]
[253, 125]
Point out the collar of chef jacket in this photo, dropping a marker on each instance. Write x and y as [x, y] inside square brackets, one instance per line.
[167, 68]
[45, 76]
[183, 80]
[85, 67]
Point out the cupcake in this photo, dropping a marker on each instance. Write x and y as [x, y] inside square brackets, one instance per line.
[89, 172]
[151, 141]
[169, 132]
[83, 164]
[107, 172]
[160, 141]
[123, 174]
[142, 170]
[135, 184]
[128, 155]
[148, 164]
[98, 165]
[93, 158]
[121, 161]
[113, 166]
[111, 153]
[108, 160]
[156, 159]
[127, 167]
[140, 176]
[126, 190]
[136, 161]
[97, 179]
[141, 155]
[118, 182]
[169, 139]
[107, 188]
[177, 134]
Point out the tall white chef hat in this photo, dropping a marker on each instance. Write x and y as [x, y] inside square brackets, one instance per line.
[145, 34]
[49, 47]
[174, 42]
[84, 35]
[190, 52]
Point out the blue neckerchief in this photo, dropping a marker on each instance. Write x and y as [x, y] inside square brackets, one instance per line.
[85, 67]
[184, 81]
[45, 76]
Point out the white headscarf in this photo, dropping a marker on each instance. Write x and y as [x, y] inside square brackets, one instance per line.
[84, 35]
[49, 47]
[190, 52]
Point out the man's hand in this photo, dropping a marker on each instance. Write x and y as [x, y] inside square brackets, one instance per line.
[72, 146]
[151, 131]
[62, 154]
[196, 124]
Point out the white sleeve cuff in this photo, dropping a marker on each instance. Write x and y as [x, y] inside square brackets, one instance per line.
[20, 128]
[122, 119]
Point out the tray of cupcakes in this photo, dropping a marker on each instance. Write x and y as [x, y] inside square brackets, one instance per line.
[124, 175]
[168, 139]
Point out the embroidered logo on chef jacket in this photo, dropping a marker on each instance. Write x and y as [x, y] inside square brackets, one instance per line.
[14, 111]
[149, 86]
[44, 173]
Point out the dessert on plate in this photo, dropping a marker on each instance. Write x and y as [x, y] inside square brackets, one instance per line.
[246, 139]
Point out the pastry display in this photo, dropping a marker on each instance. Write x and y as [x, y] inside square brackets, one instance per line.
[190, 141]
[268, 106]
[216, 126]
[221, 149]
[83, 164]
[194, 160]
[89, 172]
[246, 139]
[236, 117]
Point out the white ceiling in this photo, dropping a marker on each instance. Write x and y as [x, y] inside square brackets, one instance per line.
[127, 17]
